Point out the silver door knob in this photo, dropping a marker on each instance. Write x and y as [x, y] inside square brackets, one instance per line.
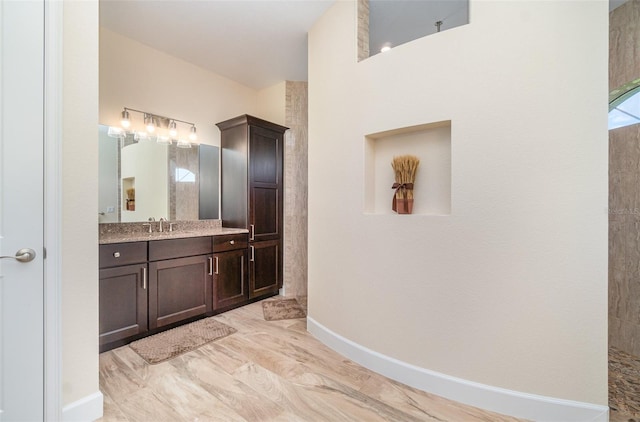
[23, 255]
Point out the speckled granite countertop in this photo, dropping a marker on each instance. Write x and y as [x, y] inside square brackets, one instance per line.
[136, 232]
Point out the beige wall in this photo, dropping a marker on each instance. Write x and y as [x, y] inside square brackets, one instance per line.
[108, 177]
[270, 103]
[624, 192]
[136, 76]
[80, 201]
[510, 290]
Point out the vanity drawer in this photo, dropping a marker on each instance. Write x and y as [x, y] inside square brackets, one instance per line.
[117, 254]
[178, 248]
[229, 242]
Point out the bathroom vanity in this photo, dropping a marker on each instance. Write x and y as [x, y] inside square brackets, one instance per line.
[150, 282]
[153, 277]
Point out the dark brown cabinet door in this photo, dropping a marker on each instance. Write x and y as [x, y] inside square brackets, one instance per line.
[230, 279]
[265, 268]
[123, 302]
[252, 194]
[179, 289]
[265, 183]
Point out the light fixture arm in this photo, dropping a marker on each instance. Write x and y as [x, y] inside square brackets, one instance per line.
[159, 117]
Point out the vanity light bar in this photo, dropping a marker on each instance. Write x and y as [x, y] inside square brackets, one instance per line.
[152, 121]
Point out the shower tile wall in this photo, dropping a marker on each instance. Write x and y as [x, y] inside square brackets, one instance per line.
[363, 29]
[624, 188]
[624, 35]
[295, 198]
[624, 239]
[183, 196]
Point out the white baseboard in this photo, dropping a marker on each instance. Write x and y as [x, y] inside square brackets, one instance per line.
[86, 409]
[508, 402]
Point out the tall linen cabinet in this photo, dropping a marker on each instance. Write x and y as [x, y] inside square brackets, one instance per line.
[251, 168]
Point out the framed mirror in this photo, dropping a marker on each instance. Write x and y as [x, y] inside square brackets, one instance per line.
[142, 179]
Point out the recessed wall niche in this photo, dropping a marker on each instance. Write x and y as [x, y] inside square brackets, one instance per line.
[431, 143]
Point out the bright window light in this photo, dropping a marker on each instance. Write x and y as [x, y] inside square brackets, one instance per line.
[185, 176]
[627, 112]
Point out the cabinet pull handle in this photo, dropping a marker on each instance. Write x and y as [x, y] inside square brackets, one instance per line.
[253, 231]
[216, 272]
[253, 251]
[210, 266]
[144, 278]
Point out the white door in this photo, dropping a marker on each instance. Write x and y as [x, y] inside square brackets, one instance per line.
[21, 210]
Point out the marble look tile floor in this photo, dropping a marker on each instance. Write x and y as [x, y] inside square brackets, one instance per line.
[266, 371]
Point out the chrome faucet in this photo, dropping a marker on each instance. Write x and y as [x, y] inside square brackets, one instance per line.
[162, 219]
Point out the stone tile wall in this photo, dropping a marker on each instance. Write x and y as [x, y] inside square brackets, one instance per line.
[295, 196]
[624, 188]
[624, 38]
[624, 239]
[183, 196]
[363, 29]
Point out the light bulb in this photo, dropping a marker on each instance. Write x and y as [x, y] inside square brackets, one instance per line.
[151, 127]
[125, 122]
[173, 130]
[192, 134]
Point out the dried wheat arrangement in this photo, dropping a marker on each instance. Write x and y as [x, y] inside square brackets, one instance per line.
[405, 168]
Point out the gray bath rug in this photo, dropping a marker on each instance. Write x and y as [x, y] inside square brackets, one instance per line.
[278, 309]
[171, 343]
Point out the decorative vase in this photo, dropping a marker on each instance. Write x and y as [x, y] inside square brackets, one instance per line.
[404, 206]
[402, 202]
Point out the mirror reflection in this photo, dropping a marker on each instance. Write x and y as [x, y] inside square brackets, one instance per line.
[142, 179]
